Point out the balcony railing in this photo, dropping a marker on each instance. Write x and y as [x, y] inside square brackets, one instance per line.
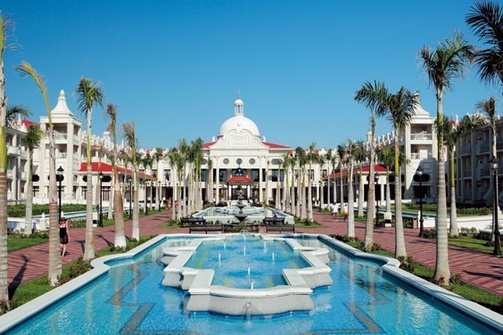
[423, 136]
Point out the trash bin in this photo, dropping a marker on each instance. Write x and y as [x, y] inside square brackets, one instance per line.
[414, 223]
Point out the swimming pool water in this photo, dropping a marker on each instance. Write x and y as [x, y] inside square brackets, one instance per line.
[240, 261]
[131, 300]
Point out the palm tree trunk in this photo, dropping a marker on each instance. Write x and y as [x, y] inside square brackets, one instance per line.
[135, 234]
[120, 236]
[400, 250]
[360, 193]
[453, 231]
[28, 222]
[442, 271]
[89, 244]
[351, 203]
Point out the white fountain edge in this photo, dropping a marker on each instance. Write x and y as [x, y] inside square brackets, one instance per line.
[273, 300]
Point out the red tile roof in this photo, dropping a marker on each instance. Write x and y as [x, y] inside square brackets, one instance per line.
[239, 180]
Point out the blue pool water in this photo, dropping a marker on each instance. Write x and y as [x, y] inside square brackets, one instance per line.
[241, 261]
[130, 299]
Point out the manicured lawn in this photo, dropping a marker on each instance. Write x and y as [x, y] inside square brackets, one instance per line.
[19, 241]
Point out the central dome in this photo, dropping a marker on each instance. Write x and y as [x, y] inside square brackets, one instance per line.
[238, 122]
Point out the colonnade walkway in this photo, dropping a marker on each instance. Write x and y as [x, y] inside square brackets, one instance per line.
[482, 270]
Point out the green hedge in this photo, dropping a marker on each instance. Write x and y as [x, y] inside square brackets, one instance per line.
[20, 210]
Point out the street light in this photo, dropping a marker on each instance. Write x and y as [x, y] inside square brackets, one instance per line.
[100, 222]
[497, 242]
[130, 197]
[376, 179]
[59, 178]
[159, 195]
[146, 197]
[419, 173]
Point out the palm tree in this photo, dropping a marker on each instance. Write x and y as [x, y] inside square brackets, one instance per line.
[328, 158]
[148, 163]
[300, 154]
[448, 61]
[489, 107]
[175, 160]
[15, 112]
[321, 160]
[4, 279]
[486, 20]
[341, 153]
[158, 157]
[386, 157]
[350, 160]
[311, 157]
[183, 150]
[33, 136]
[197, 152]
[54, 252]
[129, 130]
[367, 95]
[89, 95]
[120, 236]
[286, 163]
[399, 108]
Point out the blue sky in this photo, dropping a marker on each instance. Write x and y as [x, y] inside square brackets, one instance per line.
[175, 67]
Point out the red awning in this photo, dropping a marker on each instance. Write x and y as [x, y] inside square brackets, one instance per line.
[239, 180]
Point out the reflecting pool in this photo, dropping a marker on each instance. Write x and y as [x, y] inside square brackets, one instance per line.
[130, 299]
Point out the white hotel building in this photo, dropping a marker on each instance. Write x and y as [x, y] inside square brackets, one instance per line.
[238, 144]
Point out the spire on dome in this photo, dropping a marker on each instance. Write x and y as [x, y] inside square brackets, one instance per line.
[238, 106]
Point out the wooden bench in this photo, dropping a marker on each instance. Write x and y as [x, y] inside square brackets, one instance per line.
[277, 224]
[199, 225]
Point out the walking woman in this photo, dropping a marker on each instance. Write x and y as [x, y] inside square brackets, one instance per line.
[64, 234]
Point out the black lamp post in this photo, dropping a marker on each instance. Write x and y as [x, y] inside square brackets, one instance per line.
[146, 197]
[59, 178]
[159, 195]
[419, 173]
[376, 180]
[497, 242]
[100, 222]
[130, 198]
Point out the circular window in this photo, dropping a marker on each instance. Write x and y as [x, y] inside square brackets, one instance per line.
[275, 161]
[205, 161]
[252, 161]
[226, 161]
[239, 161]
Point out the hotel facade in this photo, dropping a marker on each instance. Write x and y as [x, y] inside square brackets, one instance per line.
[238, 145]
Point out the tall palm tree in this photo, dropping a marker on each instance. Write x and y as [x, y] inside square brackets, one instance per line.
[386, 157]
[118, 207]
[328, 158]
[486, 20]
[148, 163]
[367, 95]
[449, 61]
[175, 160]
[311, 158]
[4, 280]
[285, 164]
[33, 136]
[399, 109]
[489, 107]
[341, 153]
[89, 95]
[301, 156]
[183, 150]
[209, 178]
[129, 130]
[350, 159]
[158, 157]
[54, 253]
[321, 160]
[197, 152]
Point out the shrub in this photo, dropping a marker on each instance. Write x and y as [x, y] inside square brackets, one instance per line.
[407, 264]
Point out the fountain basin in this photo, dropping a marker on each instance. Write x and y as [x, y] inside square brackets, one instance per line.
[205, 296]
